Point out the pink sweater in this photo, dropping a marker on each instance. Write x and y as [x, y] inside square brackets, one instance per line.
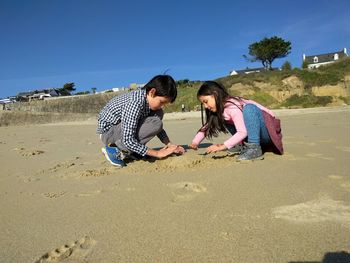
[234, 115]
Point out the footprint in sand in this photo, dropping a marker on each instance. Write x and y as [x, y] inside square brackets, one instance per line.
[75, 251]
[64, 165]
[318, 210]
[27, 153]
[31, 179]
[43, 140]
[186, 191]
[95, 173]
[54, 195]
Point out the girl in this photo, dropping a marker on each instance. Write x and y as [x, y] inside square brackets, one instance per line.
[245, 119]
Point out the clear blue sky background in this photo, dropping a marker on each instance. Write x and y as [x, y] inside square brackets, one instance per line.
[106, 44]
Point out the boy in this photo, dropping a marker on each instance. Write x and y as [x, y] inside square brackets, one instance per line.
[130, 120]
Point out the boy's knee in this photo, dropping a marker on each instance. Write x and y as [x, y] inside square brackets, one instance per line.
[158, 123]
[154, 123]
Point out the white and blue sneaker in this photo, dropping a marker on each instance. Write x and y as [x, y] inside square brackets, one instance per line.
[113, 155]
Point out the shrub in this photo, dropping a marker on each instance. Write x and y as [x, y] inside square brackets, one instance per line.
[264, 99]
[304, 65]
[186, 95]
[306, 101]
[345, 99]
[286, 66]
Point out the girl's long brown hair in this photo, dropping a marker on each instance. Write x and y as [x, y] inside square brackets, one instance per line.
[215, 122]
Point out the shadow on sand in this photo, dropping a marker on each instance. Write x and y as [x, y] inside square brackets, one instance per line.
[330, 257]
[135, 157]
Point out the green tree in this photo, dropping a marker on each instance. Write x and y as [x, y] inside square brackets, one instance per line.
[267, 50]
[82, 92]
[183, 82]
[93, 90]
[67, 89]
[305, 65]
[286, 66]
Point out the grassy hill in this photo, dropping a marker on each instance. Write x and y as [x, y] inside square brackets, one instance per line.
[295, 88]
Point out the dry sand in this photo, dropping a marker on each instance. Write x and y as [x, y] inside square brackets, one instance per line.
[61, 201]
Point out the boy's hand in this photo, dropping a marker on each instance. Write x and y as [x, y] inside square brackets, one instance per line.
[193, 146]
[179, 149]
[216, 148]
[167, 150]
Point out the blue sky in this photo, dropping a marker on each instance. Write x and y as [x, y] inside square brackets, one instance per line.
[106, 44]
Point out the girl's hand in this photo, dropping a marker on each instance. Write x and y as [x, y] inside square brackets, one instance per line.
[216, 148]
[193, 146]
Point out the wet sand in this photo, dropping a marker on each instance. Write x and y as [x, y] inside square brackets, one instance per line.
[61, 201]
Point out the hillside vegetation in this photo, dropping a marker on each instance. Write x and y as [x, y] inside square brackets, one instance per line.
[297, 88]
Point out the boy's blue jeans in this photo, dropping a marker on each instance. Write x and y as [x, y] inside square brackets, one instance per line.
[255, 125]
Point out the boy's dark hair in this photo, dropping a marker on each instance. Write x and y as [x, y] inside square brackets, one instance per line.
[215, 121]
[165, 86]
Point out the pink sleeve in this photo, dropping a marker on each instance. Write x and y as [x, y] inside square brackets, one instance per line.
[198, 138]
[237, 117]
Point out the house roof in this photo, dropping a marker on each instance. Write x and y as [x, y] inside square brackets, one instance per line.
[25, 94]
[50, 91]
[325, 57]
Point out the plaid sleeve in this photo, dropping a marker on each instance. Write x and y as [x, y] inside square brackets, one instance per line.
[129, 122]
[162, 136]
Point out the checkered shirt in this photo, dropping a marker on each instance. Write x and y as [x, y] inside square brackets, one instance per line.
[128, 109]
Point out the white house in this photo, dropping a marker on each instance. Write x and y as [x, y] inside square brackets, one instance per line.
[314, 61]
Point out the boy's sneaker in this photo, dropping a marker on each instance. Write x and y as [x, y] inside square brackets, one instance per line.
[112, 154]
[239, 148]
[252, 151]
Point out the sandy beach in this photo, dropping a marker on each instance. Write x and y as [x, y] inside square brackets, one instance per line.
[61, 201]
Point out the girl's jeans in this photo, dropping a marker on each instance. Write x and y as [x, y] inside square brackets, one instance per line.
[255, 125]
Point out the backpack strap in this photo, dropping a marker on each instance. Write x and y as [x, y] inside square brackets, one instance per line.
[239, 98]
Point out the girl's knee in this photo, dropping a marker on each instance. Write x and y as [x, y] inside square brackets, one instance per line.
[251, 110]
